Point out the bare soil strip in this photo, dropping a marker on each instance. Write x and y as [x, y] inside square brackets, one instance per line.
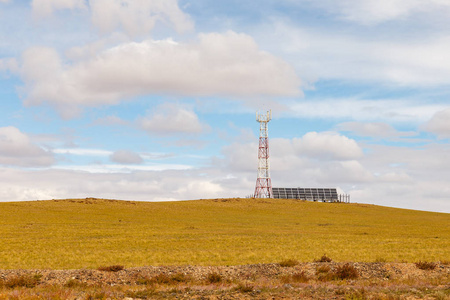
[318, 280]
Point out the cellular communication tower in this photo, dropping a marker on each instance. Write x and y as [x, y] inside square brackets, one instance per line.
[263, 187]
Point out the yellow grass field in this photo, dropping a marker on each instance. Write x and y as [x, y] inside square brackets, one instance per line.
[88, 233]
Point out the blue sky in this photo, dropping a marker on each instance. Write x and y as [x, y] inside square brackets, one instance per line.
[156, 100]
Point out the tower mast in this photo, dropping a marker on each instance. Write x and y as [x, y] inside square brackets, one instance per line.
[263, 187]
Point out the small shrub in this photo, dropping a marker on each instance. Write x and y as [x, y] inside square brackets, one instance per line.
[214, 278]
[324, 258]
[324, 273]
[179, 277]
[113, 268]
[162, 279]
[28, 281]
[300, 277]
[424, 265]
[244, 288]
[71, 283]
[296, 277]
[289, 263]
[346, 271]
[323, 269]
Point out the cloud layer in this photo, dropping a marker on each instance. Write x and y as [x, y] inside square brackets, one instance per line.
[126, 157]
[138, 17]
[327, 145]
[422, 61]
[371, 12]
[227, 64]
[45, 8]
[393, 175]
[168, 91]
[440, 124]
[17, 149]
[135, 17]
[373, 129]
[171, 119]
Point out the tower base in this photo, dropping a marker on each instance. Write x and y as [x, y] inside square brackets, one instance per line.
[263, 188]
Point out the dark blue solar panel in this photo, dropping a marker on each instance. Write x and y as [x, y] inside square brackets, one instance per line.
[312, 194]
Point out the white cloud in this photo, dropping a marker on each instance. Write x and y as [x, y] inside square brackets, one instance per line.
[148, 185]
[422, 61]
[284, 156]
[407, 177]
[126, 157]
[17, 149]
[241, 157]
[372, 129]
[171, 119]
[327, 145]
[393, 176]
[138, 17]
[43, 74]
[134, 17]
[410, 177]
[121, 168]
[332, 149]
[227, 64]
[45, 8]
[343, 172]
[110, 121]
[365, 110]
[370, 12]
[316, 159]
[82, 152]
[439, 124]
[127, 160]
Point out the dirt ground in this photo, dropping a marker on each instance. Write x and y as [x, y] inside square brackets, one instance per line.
[319, 280]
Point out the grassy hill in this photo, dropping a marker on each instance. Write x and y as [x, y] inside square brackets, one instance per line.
[87, 233]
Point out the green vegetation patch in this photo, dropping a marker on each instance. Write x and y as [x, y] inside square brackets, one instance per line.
[89, 233]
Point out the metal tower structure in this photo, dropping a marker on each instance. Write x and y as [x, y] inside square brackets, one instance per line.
[263, 187]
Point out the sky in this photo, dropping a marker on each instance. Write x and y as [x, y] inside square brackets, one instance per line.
[155, 100]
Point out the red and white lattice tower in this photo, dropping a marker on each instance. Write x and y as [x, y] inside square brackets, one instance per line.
[263, 187]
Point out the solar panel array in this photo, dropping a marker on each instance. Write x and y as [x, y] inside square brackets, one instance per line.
[312, 194]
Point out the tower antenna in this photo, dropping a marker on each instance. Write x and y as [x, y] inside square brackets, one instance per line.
[263, 187]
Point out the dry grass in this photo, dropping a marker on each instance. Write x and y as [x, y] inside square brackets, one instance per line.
[324, 273]
[164, 279]
[214, 278]
[27, 281]
[342, 272]
[424, 265]
[298, 282]
[113, 268]
[289, 263]
[323, 258]
[88, 233]
[295, 278]
[346, 271]
[244, 288]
